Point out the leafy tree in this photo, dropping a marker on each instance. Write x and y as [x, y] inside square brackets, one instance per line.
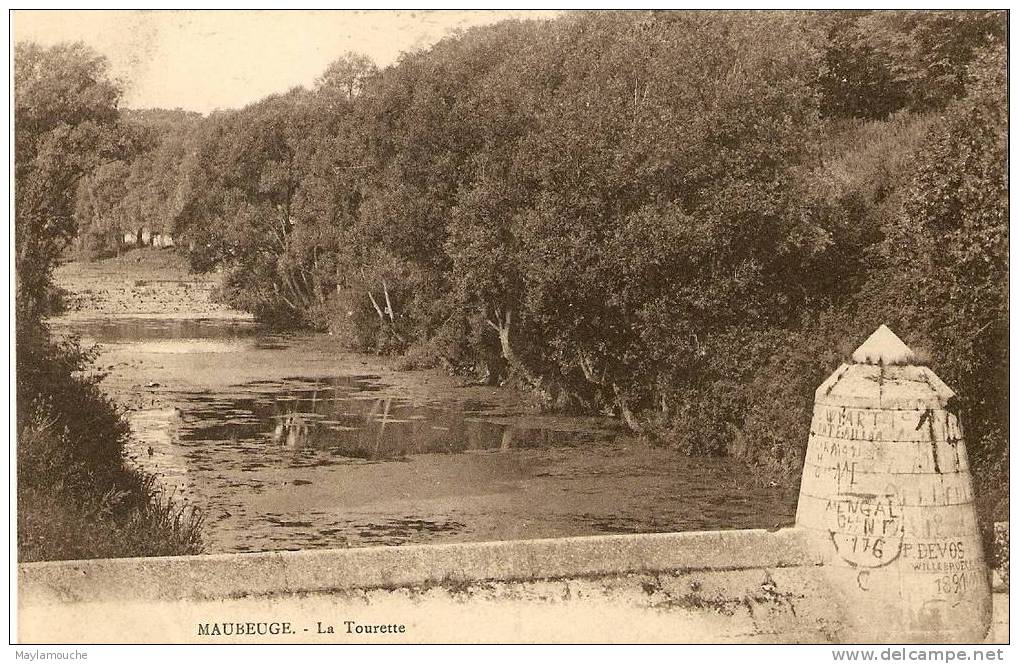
[879, 62]
[266, 193]
[946, 256]
[76, 498]
[99, 209]
[676, 216]
[347, 76]
[65, 110]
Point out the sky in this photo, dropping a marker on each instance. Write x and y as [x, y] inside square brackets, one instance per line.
[204, 60]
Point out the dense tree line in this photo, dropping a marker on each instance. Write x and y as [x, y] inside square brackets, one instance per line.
[684, 218]
[135, 195]
[76, 496]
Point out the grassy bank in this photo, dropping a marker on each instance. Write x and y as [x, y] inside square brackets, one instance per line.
[76, 496]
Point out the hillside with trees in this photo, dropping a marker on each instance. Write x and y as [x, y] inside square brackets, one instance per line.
[682, 218]
[77, 498]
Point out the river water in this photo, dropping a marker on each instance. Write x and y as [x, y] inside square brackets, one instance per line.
[286, 442]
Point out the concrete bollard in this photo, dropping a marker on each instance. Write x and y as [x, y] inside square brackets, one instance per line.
[887, 499]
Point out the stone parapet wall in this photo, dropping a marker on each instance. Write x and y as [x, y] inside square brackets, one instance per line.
[735, 586]
[886, 549]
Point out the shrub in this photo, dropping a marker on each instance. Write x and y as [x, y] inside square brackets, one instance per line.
[76, 496]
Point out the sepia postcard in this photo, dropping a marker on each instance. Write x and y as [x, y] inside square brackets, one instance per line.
[511, 326]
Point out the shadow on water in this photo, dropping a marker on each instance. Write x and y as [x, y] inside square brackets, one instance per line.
[341, 461]
[119, 330]
[355, 417]
[349, 459]
[174, 336]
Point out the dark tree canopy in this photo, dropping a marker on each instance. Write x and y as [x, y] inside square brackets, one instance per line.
[674, 216]
[65, 109]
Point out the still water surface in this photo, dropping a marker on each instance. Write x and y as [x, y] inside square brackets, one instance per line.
[339, 456]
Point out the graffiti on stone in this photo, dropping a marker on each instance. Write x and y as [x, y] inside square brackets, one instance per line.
[866, 530]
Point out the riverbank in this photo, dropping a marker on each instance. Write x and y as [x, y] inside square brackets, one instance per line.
[76, 497]
[195, 383]
[143, 283]
[149, 288]
[286, 441]
[151, 285]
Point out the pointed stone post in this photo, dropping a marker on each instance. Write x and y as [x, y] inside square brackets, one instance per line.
[887, 500]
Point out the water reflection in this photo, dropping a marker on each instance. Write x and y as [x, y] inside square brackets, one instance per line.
[342, 415]
[120, 330]
[334, 456]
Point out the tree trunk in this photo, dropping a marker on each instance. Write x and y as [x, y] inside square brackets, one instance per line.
[389, 305]
[378, 309]
[382, 313]
[503, 327]
[587, 367]
[624, 410]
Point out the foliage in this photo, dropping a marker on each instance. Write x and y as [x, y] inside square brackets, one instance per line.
[76, 495]
[943, 270]
[265, 193]
[880, 62]
[98, 211]
[66, 111]
[139, 192]
[683, 218]
[680, 217]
